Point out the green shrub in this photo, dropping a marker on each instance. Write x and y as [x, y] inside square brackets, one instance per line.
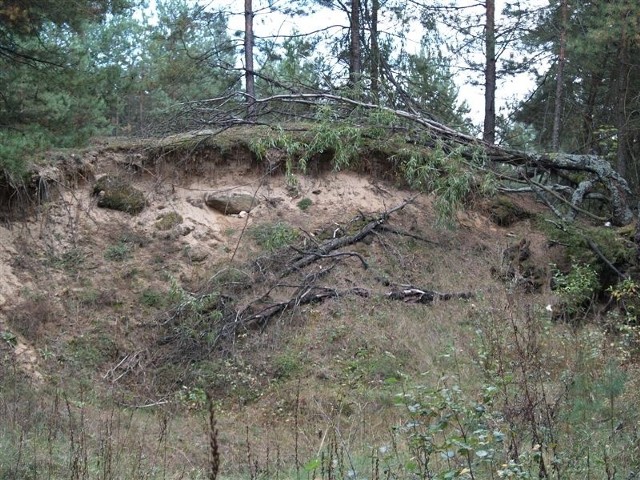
[119, 252]
[447, 174]
[274, 236]
[577, 288]
[152, 298]
[450, 435]
[304, 204]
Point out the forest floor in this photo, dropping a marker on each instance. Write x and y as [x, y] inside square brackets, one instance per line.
[90, 305]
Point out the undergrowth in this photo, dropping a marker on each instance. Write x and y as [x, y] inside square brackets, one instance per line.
[548, 401]
[455, 175]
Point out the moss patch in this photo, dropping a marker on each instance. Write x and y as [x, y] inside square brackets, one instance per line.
[117, 194]
[504, 212]
[167, 221]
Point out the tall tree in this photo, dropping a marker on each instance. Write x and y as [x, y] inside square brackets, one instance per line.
[375, 51]
[44, 97]
[489, 128]
[622, 85]
[562, 59]
[250, 87]
[20, 20]
[485, 42]
[355, 56]
[600, 82]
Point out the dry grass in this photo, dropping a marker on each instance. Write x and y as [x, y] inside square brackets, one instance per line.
[312, 394]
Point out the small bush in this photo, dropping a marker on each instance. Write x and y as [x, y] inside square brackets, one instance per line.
[577, 289]
[287, 364]
[70, 260]
[304, 204]
[274, 236]
[152, 298]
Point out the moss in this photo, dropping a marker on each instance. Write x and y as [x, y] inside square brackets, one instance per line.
[618, 249]
[167, 221]
[505, 213]
[117, 194]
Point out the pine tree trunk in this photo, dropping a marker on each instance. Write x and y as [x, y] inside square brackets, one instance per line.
[375, 51]
[489, 130]
[557, 114]
[355, 65]
[621, 95]
[250, 88]
[589, 142]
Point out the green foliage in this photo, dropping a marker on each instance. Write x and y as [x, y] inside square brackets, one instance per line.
[9, 338]
[627, 295]
[611, 243]
[450, 435]
[444, 172]
[342, 140]
[194, 398]
[286, 365]
[339, 140]
[274, 236]
[304, 204]
[430, 86]
[15, 148]
[295, 62]
[577, 288]
[70, 260]
[87, 352]
[153, 298]
[118, 252]
[589, 31]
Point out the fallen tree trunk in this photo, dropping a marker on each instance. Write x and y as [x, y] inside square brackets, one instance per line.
[597, 174]
[411, 294]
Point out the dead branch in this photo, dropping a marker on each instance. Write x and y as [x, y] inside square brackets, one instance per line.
[325, 248]
[365, 265]
[411, 294]
[397, 231]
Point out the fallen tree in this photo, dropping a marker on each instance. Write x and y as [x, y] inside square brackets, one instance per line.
[564, 182]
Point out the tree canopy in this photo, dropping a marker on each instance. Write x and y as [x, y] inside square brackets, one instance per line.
[73, 69]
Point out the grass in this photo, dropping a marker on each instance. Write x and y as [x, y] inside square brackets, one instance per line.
[353, 387]
[274, 236]
[580, 403]
[118, 252]
[304, 204]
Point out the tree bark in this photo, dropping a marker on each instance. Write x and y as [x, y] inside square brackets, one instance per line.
[622, 88]
[375, 52]
[355, 55]
[557, 114]
[489, 130]
[250, 88]
[589, 142]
